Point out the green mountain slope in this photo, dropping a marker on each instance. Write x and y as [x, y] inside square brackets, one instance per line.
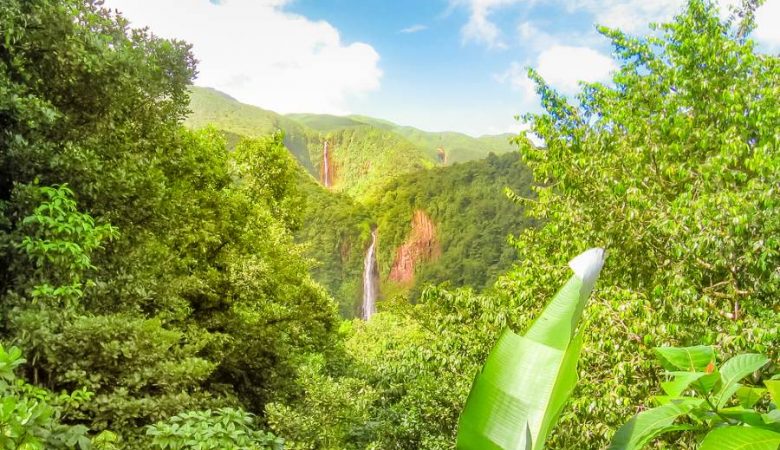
[326, 122]
[364, 159]
[470, 219]
[457, 147]
[362, 156]
[212, 107]
[438, 219]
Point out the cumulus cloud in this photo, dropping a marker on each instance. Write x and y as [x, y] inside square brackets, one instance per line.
[517, 77]
[414, 29]
[633, 16]
[479, 28]
[262, 54]
[629, 15]
[767, 29]
[562, 67]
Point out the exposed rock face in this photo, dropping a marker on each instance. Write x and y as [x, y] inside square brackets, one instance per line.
[442, 154]
[422, 245]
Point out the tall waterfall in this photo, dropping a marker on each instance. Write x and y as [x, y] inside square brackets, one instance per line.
[325, 165]
[370, 278]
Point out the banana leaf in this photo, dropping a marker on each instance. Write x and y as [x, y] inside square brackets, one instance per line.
[521, 390]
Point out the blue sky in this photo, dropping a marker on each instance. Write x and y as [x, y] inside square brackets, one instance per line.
[434, 64]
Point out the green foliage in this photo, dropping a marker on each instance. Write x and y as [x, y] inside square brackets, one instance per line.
[335, 233]
[717, 404]
[466, 202]
[224, 428]
[204, 300]
[526, 381]
[364, 159]
[310, 423]
[367, 151]
[209, 107]
[471, 214]
[30, 417]
[58, 241]
[458, 147]
[674, 171]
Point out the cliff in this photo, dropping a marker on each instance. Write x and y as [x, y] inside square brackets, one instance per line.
[422, 245]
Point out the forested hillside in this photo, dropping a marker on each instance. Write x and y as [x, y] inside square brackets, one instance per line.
[366, 151]
[169, 288]
[471, 216]
[378, 174]
[472, 220]
[209, 107]
[445, 147]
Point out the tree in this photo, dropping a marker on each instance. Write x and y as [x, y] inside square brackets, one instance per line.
[203, 300]
[673, 168]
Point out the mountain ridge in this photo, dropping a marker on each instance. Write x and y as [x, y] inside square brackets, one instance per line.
[305, 132]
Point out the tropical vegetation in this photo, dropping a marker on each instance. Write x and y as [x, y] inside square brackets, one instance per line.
[169, 284]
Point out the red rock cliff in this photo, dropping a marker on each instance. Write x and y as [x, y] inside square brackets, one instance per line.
[422, 245]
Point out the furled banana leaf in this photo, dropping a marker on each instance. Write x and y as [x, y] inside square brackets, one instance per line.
[526, 380]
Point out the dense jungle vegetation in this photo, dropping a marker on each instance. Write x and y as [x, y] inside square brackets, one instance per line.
[466, 201]
[156, 283]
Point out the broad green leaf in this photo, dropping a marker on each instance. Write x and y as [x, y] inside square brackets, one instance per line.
[708, 382]
[695, 359]
[740, 438]
[567, 380]
[526, 380]
[749, 396]
[680, 382]
[746, 415]
[648, 424]
[772, 417]
[773, 386]
[734, 370]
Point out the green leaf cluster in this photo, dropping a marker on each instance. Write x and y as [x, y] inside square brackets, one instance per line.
[30, 417]
[196, 296]
[702, 399]
[224, 428]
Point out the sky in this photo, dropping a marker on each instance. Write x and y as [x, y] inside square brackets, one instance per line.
[437, 65]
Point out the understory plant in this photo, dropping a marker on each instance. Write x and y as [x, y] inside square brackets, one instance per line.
[30, 416]
[224, 428]
[520, 392]
[729, 405]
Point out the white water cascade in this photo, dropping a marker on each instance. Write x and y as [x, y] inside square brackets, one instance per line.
[325, 165]
[370, 277]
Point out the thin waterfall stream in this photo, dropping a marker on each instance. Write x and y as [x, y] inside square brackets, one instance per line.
[370, 280]
[326, 165]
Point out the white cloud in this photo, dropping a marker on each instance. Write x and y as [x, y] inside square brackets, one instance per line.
[480, 28]
[768, 24]
[563, 66]
[517, 77]
[263, 55]
[414, 28]
[631, 16]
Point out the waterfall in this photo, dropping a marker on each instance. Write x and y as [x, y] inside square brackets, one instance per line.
[370, 277]
[325, 165]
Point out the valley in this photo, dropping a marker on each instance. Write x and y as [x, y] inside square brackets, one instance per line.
[179, 270]
[430, 206]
